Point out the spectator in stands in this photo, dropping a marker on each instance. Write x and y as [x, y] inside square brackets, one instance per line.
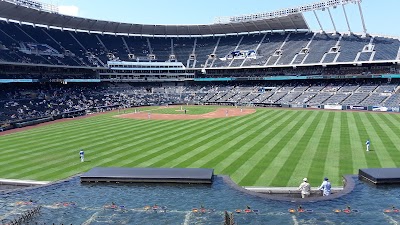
[367, 143]
[82, 155]
[305, 188]
[325, 187]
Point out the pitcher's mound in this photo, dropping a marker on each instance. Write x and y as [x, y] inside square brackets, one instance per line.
[219, 113]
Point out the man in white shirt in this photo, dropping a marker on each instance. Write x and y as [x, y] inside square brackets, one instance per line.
[305, 188]
[367, 143]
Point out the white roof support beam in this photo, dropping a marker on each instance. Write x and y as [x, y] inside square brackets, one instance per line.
[362, 18]
[319, 22]
[347, 19]
[333, 22]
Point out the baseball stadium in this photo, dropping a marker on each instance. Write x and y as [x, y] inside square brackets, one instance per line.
[105, 122]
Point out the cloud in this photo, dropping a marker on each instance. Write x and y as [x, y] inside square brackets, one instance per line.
[70, 10]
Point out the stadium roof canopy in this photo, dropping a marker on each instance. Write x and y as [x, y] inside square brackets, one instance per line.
[21, 13]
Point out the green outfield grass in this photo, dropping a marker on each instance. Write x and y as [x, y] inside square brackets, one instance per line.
[272, 147]
[191, 110]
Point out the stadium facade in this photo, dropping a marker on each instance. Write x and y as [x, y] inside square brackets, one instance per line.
[267, 59]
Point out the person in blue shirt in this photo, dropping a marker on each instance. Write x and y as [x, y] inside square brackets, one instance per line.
[325, 187]
[367, 143]
[82, 155]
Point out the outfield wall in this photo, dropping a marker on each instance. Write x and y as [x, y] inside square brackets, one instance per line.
[327, 107]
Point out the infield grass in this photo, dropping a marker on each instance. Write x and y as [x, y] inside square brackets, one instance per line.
[272, 147]
[190, 110]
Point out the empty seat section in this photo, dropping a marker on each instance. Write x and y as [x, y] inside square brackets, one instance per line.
[350, 45]
[320, 45]
[293, 46]
[224, 51]
[183, 47]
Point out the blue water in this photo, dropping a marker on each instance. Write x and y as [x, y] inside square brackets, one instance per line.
[89, 201]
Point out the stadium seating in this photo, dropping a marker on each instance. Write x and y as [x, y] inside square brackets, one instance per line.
[293, 45]
[225, 47]
[350, 45]
[204, 48]
[38, 45]
[161, 48]
[116, 46]
[393, 101]
[386, 48]
[182, 49]
[56, 49]
[320, 45]
[35, 100]
[267, 48]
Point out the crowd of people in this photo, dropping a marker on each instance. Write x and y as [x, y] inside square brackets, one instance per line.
[27, 101]
[37, 101]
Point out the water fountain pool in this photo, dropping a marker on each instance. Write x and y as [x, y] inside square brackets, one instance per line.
[70, 202]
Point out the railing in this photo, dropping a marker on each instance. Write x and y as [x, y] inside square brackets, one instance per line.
[228, 219]
[25, 217]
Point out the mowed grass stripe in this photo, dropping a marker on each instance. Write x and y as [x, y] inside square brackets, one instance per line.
[51, 129]
[239, 153]
[79, 123]
[59, 140]
[100, 144]
[101, 154]
[65, 155]
[356, 145]
[227, 143]
[154, 149]
[51, 152]
[192, 149]
[376, 142]
[303, 140]
[332, 158]
[389, 121]
[305, 162]
[372, 159]
[386, 136]
[262, 170]
[121, 151]
[260, 149]
[191, 110]
[198, 151]
[73, 132]
[29, 149]
[75, 153]
[346, 151]
[285, 145]
[318, 161]
[393, 117]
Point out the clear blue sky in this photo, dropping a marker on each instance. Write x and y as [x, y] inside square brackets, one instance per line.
[381, 16]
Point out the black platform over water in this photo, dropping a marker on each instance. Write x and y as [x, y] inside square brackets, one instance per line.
[380, 175]
[149, 175]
